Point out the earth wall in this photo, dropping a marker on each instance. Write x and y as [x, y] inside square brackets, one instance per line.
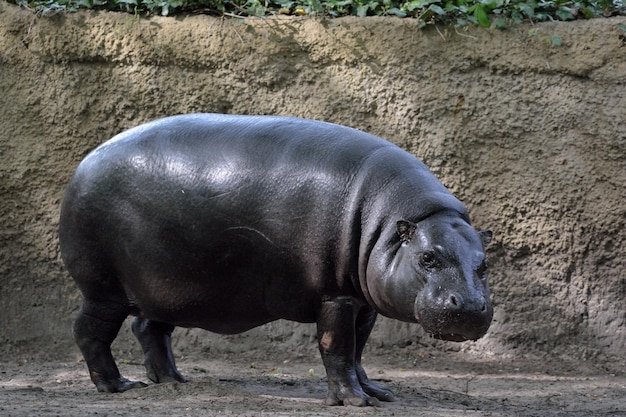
[531, 136]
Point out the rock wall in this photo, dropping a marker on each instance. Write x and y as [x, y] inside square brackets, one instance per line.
[529, 135]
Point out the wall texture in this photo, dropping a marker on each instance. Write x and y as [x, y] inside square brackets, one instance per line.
[532, 137]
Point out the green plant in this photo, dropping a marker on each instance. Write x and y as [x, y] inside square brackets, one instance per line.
[486, 13]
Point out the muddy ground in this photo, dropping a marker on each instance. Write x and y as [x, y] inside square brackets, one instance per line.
[427, 383]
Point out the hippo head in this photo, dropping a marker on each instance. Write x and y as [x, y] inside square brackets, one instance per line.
[437, 277]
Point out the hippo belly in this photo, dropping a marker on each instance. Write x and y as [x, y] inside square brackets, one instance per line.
[229, 222]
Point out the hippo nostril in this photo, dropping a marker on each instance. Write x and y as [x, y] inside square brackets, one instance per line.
[484, 305]
[454, 301]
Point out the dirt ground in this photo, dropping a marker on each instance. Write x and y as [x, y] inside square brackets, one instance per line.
[426, 384]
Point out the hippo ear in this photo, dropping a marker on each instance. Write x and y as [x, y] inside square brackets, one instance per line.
[405, 229]
[486, 236]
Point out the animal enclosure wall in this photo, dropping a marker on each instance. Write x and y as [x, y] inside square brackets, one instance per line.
[530, 136]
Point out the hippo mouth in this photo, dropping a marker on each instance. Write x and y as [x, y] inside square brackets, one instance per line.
[473, 335]
[454, 329]
[451, 337]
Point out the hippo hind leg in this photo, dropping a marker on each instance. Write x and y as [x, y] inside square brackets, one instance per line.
[95, 328]
[155, 340]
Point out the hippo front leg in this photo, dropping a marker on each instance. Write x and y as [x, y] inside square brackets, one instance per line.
[155, 339]
[341, 334]
[364, 324]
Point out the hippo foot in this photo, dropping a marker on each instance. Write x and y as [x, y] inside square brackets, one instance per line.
[353, 400]
[116, 385]
[159, 378]
[374, 390]
[359, 398]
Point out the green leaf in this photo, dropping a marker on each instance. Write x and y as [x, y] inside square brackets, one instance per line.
[419, 4]
[436, 9]
[397, 12]
[472, 19]
[481, 16]
[361, 10]
[527, 9]
[565, 13]
[501, 23]
[490, 4]
[314, 6]
[256, 10]
[451, 7]
[622, 26]
[517, 17]
[588, 13]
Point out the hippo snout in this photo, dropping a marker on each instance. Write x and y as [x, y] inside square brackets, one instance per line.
[456, 302]
[453, 316]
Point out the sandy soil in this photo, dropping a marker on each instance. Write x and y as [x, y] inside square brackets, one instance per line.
[437, 384]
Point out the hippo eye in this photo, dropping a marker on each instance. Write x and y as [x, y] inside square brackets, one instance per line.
[427, 259]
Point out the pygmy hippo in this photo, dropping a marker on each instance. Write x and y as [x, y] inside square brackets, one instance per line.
[227, 222]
